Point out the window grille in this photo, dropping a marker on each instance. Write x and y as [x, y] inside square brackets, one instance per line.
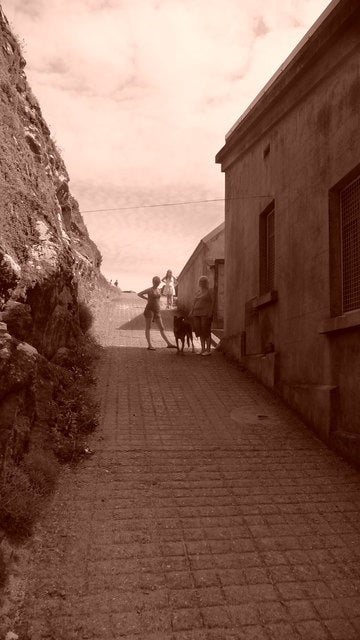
[350, 232]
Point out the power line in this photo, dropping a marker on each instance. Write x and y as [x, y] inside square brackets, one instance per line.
[174, 204]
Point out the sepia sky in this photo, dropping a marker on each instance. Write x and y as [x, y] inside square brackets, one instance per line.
[139, 95]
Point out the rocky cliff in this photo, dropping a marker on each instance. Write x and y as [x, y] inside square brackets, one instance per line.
[46, 255]
[48, 263]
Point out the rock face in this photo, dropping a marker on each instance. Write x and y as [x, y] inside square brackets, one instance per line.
[46, 255]
[48, 263]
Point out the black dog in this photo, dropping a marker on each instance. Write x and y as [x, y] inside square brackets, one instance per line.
[182, 330]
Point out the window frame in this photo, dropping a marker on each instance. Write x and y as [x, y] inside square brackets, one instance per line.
[336, 285]
[266, 268]
[350, 248]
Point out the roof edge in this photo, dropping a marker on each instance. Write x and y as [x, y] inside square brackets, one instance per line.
[305, 40]
[203, 242]
[334, 19]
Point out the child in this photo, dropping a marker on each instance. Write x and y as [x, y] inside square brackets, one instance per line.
[152, 312]
[169, 288]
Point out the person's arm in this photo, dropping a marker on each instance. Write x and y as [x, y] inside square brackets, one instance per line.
[192, 309]
[144, 293]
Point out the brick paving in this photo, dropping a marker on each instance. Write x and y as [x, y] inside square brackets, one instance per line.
[209, 512]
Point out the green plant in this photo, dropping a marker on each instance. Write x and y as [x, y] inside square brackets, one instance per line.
[76, 416]
[20, 503]
[84, 358]
[75, 413]
[42, 469]
[86, 317]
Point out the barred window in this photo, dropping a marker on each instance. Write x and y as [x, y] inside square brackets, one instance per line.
[350, 241]
[267, 250]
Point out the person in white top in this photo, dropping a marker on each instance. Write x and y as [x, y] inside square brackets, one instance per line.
[169, 288]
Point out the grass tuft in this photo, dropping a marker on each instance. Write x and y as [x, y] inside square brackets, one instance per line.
[42, 469]
[20, 503]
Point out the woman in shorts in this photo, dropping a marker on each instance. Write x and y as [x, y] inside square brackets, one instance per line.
[152, 312]
[201, 315]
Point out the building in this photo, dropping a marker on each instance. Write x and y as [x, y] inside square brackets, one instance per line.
[292, 240]
[206, 260]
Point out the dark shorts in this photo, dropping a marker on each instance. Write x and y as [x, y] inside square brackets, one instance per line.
[202, 326]
[154, 315]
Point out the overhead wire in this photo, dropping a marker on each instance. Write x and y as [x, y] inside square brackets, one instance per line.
[173, 204]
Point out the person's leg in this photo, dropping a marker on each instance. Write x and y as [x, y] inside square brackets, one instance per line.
[208, 343]
[196, 325]
[147, 332]
[171, 300]
[206, 333]
[159, 323]
[203, 334]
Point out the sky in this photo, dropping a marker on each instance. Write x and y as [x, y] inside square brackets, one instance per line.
[139, 95]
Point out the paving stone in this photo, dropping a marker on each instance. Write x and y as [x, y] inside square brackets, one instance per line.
[312, 630]
[244, 614]
[328, 608]
[282, 631]
[186, 619]
[215, 617]
[341, 629]
[303, 609]
[182, 598]
[187, 525]
[273, 611]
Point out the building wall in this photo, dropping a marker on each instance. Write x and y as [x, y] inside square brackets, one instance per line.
[313, 133]
[219, 291]
[200, 264]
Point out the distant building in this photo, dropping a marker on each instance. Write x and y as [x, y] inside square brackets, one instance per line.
[292, 257]
[206, 260]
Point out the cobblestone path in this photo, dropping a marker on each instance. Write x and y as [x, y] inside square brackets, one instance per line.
[209, 512]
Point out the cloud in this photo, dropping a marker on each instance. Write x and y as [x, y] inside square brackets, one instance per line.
[56, 65]
[139, 95]
[31, 8]
[260, 28]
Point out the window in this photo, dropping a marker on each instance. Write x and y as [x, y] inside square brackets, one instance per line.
[350, 245]
[267, 250]
[344, 245]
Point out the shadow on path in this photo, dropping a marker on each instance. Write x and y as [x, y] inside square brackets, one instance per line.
[138, 322]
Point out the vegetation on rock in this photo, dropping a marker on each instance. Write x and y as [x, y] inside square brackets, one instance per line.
[20, 502]
[86, 317]
[30, 466]
[49, 268]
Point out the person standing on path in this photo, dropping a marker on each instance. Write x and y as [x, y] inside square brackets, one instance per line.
[169, 288]
[152, 312]
[201, 315]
